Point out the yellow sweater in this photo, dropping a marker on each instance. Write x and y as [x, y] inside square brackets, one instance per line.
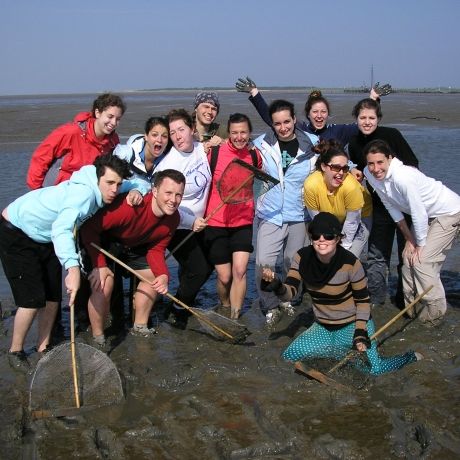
[350, 196]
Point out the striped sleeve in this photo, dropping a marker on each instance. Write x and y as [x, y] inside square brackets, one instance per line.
[360, 291]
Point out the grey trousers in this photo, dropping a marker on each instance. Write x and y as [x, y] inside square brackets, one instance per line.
[441, 235]
[273, 240]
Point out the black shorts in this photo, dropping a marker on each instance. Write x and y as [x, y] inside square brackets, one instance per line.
[31, 268]
[135, 257]
[222, 242]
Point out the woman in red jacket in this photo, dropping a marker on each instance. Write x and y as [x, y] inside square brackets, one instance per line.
[78, 143]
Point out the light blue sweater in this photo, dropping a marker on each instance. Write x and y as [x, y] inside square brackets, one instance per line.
[50, 214]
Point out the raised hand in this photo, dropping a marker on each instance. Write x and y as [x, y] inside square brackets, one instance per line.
[245, 85]
[382, 90]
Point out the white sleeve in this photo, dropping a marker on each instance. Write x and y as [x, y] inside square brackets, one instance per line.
[350, 227]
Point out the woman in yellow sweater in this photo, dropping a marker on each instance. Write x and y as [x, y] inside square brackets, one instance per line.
[332, 189]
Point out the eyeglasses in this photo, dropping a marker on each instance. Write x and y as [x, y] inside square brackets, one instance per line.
[326, 236]
[338, 168]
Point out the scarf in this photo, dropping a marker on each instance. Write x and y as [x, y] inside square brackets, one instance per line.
[317, 273]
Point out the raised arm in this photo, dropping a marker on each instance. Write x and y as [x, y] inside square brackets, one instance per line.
[246, 85]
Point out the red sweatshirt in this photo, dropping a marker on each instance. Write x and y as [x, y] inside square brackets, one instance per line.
[131, 226]
[231, 215]
[76, 142]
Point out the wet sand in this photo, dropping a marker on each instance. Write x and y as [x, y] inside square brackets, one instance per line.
[188, 396]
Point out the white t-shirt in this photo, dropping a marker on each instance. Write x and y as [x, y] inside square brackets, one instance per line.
[195, 167]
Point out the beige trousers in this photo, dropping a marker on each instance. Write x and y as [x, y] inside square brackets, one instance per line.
[441, 235]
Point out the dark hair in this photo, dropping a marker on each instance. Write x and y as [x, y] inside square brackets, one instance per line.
[324, 223]
[378, 146]
[328, 149]
[314, 97]
[367, 103]
[172, 174]
[121, 167]
[180, 114]
[280, 104]
[238, 118]
[154, 121]
[106, 100]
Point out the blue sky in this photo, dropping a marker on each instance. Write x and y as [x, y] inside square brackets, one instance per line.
[52, 46]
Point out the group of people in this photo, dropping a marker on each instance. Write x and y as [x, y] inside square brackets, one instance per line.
[341, 189]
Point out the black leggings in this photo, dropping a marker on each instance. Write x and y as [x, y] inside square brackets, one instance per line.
[194, 268]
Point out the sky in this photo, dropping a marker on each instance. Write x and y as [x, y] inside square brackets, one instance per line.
[58, 46]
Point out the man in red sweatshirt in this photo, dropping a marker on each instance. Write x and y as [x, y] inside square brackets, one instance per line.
[143, 232]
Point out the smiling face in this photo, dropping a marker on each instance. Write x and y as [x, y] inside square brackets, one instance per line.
[284, 124]
[206, 113]
[239, 134]
[367, 121]
[378, 165]
[109, 184]
[156, 141]
[318, 115]
[181, 136]
[335, 171]
[107, 121]
[167, 197]
[324, 247]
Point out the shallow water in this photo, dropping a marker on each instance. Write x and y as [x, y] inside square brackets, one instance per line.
[190, 396]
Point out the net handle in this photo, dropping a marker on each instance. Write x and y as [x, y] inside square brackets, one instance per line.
[74, 360]
[170, 296]
[213, 212]
[384, 327]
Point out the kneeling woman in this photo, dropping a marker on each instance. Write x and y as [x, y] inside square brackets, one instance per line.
[336, 282]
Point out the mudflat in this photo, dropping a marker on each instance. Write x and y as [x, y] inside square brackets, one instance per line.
[190, 396]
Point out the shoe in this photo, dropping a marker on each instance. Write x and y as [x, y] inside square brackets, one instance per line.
[377, 305]
[418, 356]
[42, 353]
[272, 317]
[143, 331]
[180, 318]
[100, 342]
[235, 312]
[18, 361]
[288, 308]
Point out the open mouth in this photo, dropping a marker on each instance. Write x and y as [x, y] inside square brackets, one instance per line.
[339, 180]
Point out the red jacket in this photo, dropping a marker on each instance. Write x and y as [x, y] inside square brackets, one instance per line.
[131, 226]
[230, 215]
[77, 145]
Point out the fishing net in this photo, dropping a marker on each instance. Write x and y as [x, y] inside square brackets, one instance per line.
[230, 330]
[338, 367]
[52, 386]
[241, 182]
[216, 325]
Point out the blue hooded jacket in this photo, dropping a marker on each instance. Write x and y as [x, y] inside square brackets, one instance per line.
[50, 214]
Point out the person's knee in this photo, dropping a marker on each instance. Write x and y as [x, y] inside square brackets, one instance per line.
[239, 273]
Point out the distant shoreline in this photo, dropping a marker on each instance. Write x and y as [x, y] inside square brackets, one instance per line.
[341, 90]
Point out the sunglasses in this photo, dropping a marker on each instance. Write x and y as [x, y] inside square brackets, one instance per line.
[338, 168]
[326, 236]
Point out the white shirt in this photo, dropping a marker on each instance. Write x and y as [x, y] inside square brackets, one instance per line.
[195, 167]
[406, 189]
